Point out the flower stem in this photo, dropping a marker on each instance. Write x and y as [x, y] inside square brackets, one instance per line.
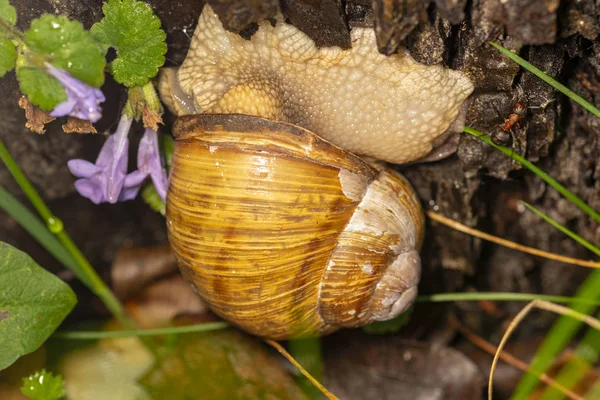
[91, 278]
[12, 32]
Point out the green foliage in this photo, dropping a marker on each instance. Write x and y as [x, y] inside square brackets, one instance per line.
[167, 147]
[43, 385]
[565, 328]
[151, 197]
[33, 302]
[391, 326]
[41, 89]
[134, 30]
[68, 46]
[307, 352]
[8, 55]
[36, 229]
[541, 174]
[8, 12]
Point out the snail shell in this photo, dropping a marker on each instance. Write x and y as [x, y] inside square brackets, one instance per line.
[285, 234]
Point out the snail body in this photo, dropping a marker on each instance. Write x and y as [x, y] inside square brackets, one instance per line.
[285, 234]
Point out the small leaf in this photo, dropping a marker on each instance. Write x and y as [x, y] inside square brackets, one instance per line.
[8, 55]
[43, 385]
[151, 197]
[68, 46]
[390, 326]
[42, 90]
[8, 12]
[33, 302]
[134, 30]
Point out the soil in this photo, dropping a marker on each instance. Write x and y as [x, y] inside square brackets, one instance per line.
[477, 186]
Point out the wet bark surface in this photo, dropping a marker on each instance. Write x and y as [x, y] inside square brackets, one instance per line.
[477, 186]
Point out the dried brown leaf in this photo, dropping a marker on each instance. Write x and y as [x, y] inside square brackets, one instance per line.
[36, 118]
[76, 125]
[151, 118]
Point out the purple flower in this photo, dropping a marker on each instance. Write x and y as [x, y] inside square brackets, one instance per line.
[149, 164]
[83, 101]
[107, 179]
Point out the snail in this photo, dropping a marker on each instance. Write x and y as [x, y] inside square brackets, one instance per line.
[274, 216]
[286, 235]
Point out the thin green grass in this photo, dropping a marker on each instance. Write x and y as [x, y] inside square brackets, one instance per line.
[36, 229]
[548, 79]
[83, 267]
[585, 356]
[433, 298]
[563, 331]
[547, 178]
[505, 296]
[564, 230]
[565, 328]
[173, 330]
[307, 352]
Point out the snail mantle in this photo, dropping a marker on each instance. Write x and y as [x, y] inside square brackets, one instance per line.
[390, 108]
[285, 234]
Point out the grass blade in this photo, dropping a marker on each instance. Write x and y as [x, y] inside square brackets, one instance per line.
[547, 178]
[509, 244]
[548, 79]
[504, 296]
[36, 228]
[565, 328]
[564, 230]
[307, 351]
[96, 335]
[587, 351]
[586, 355]
[559, 336]
[543, 305]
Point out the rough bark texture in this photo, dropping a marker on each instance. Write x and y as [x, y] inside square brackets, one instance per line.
[478, 186]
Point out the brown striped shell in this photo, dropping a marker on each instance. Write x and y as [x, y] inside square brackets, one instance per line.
[285, 234]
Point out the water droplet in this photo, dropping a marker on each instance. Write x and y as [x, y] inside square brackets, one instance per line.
[55, 225]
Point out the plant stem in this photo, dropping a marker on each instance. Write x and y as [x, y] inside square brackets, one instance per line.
[547, 178]
[12, 32]
[92, 279]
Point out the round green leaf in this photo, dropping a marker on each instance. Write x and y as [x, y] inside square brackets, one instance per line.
[131, 27]
[68, 46]
[8, 55]
[42, 90]
[33, 302]
[8, 12]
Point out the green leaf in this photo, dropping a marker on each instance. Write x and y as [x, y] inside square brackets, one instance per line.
[8, 55]
[134, 30]
[8, 12]
[37, 230]
[390, 326]
[43, 385]
[151, 197]
[42, 90]
[8, 52]
[68, 46]
[33, 302]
